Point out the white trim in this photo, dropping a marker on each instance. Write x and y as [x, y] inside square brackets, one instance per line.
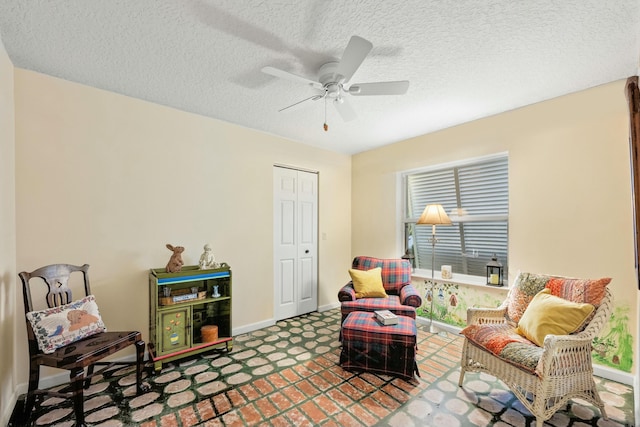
[458, 279]
[613, 374]
[455, 163]
[45, 382]
[270, 322]
[253, 327]
[438, 326]
[63, 377]
[296, 168]
[329, 306]
[400, 197]
[467, 218]
[13, 399]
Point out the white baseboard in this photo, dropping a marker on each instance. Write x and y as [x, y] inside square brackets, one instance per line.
[6, 416]
[63, 376]
[45, 382]
[252, 327]
[439, 326]
[613, 374]
[327, 307]
[270, 322]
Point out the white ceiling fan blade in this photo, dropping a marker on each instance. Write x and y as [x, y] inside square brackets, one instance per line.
[379, 88]
[276, 72]
[345, 109]
[357, 49]
[313, 98]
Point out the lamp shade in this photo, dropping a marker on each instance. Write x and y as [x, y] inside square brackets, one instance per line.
[434, 215]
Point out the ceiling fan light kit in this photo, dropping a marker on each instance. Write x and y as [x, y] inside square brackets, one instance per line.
[334, 76]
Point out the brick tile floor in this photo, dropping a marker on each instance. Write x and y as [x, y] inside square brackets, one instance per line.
[288, 375]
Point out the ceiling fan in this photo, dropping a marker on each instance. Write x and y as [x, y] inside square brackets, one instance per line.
[333, 80]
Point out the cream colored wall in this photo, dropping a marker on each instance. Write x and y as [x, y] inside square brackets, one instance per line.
[109, 180]
[569, 186]
[8, 292]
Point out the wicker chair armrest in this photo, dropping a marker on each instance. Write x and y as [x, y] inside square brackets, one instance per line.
[347, 293]
[565, 355]
[477, 315]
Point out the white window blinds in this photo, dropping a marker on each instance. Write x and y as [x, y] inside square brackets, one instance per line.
[475, 195]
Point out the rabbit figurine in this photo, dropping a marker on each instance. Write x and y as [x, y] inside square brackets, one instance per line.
[175, 262]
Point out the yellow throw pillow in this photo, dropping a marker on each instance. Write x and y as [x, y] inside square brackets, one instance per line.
[368, 284]
[549, 314]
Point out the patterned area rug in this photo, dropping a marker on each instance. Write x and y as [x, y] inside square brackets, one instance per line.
[288, 375]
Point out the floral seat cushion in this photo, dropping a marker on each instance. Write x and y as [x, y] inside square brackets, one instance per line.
[503, 341]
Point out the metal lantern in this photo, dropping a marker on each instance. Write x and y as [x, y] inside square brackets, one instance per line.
[408, 255]
[494, 272]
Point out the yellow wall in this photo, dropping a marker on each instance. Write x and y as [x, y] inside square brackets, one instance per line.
[109, 180]
[570, 207]
[8, 277]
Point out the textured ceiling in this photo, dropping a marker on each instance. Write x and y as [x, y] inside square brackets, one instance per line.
[465, 59]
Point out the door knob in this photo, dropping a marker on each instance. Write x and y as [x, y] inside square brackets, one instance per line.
[307, 251]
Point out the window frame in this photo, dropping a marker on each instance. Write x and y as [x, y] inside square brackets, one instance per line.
[403, 236]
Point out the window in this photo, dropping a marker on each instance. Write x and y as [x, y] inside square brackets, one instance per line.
[475, 195]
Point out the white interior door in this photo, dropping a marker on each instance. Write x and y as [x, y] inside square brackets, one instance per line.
[295, 225]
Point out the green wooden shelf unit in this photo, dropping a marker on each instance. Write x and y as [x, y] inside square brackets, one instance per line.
[180, 305]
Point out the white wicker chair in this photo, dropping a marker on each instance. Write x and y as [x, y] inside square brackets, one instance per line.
[564, 370]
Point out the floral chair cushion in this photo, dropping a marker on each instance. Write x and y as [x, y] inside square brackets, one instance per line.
[586, 291]
[527, 285]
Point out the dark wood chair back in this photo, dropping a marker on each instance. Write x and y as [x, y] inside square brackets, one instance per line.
[56, 277]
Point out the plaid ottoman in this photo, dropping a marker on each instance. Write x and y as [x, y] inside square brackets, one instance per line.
[369, 346]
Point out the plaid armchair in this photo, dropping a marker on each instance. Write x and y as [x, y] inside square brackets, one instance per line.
[403, 298]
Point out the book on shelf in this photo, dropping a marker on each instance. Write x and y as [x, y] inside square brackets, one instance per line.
[386, 317]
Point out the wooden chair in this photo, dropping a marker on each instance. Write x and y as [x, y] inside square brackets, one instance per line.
[78, 355]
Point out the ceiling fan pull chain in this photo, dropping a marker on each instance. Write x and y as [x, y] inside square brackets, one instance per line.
[326, 126]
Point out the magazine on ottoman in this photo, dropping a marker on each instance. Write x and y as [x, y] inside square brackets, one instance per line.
[385, 317]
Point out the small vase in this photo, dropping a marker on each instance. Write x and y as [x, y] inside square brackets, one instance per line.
[173, 338]
[216, 292]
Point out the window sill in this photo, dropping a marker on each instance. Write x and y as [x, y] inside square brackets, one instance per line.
[461, 279]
